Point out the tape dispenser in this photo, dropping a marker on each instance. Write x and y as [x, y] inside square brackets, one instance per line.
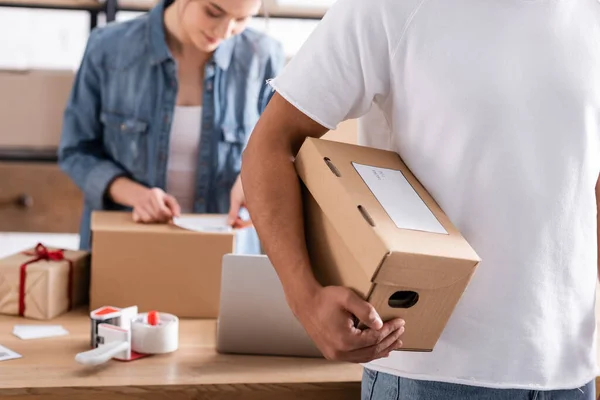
[125, 335]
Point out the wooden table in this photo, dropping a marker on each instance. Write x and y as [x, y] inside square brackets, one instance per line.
[196, 371]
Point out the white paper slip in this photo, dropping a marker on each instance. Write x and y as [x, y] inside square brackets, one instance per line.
[399, 200]
[203, 223]
[8, 354]
[27, 332]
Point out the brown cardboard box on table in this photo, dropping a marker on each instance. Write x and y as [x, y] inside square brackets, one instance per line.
[156, 266]
[43, 283]
[372, 227]
[32, 104]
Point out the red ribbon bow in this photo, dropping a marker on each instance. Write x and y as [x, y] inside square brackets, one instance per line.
[41, 252]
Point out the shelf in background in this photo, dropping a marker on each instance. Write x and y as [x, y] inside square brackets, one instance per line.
[292, 9]
[48, 155]
[273, 11]
[84, 5]
[133, 5]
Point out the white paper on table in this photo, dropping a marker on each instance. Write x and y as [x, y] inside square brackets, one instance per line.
[399, 199]
[203, 223]
[8, 354]
[27, 332]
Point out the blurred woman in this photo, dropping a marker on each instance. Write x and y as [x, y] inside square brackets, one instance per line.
[162, 108]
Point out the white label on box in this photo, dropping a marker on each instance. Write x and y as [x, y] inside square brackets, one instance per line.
[399, 200]
[7, 354]
[213, 224]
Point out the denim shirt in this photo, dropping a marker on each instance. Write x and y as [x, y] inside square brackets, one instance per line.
[118, 118]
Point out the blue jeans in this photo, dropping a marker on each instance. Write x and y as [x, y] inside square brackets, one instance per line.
[380, 386]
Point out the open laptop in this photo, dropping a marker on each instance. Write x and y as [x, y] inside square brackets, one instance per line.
[254, 317]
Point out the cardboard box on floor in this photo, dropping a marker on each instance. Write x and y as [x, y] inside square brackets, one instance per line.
[156, 266]
[32, 104]
[372, 227]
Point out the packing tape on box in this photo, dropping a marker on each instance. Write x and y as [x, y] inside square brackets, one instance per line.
[146, 334]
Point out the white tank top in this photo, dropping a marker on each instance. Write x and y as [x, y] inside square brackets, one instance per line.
[182, 164]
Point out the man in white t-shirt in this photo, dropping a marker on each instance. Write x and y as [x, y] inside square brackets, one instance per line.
[495, 106]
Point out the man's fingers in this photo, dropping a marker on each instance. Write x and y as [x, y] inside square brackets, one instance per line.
[396, 346]
[369, 337]
[364, 311]
[383, 354]
[378, 350]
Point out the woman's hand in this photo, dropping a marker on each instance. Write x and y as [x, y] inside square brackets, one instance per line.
[154, 205]
[237, 201]
[149, 205]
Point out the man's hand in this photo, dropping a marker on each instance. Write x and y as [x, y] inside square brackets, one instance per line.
[154, 205]
[328, 317]
[237, 201]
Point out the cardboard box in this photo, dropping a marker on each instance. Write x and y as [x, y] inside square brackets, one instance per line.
[43, 283]
[32, 104]
[158, 267]
[372, 227]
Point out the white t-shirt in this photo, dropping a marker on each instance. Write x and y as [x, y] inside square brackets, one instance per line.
[182, 164]
[495, 106]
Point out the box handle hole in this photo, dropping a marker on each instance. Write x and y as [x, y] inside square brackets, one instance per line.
[403, 299]
[332, 167]
[366, 215]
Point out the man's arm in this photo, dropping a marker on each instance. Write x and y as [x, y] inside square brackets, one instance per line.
[273, 67]
[273, 193]
[273, 197]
